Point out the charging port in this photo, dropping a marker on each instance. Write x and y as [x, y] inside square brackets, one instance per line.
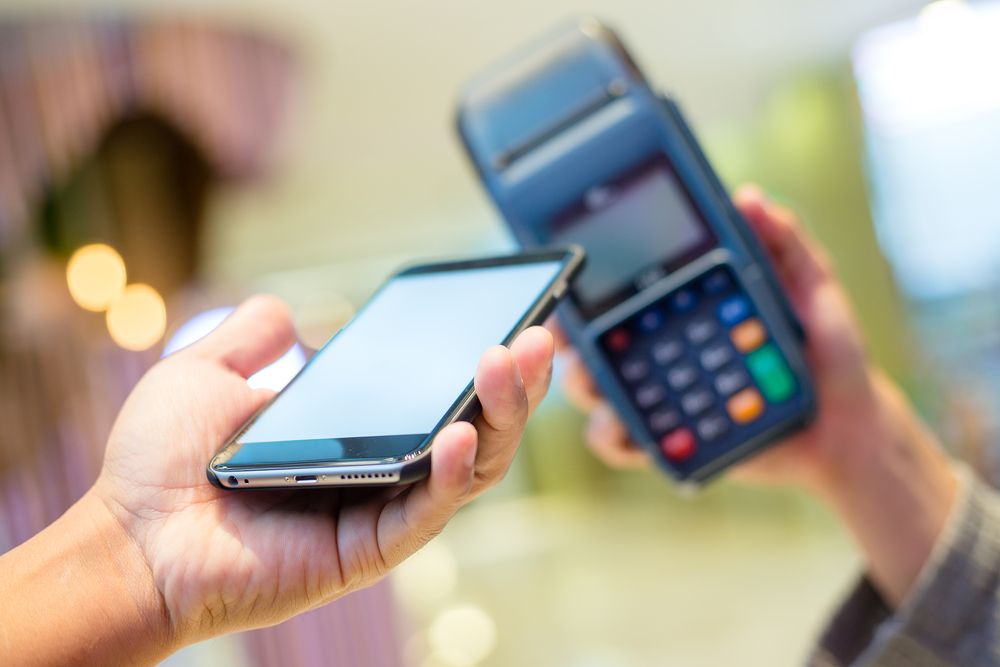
[305, 479]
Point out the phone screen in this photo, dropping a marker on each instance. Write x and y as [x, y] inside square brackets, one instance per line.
[381, 385]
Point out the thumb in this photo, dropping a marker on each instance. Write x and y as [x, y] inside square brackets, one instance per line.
[256, 334]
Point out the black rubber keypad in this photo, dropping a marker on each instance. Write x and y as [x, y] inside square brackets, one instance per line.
[701, 367]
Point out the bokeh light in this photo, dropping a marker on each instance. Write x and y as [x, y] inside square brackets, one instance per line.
[462, 636]
[945, 11]
[275, 376]
[95, 276]
[138, 318]
[426, 578]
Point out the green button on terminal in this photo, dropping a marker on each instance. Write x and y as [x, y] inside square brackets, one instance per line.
[771, 373]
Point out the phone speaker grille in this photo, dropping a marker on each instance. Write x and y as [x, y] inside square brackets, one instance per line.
[373, 476]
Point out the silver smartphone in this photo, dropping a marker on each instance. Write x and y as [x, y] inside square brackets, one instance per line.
[365, 409]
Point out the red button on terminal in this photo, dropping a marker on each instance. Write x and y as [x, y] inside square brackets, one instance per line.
[619, 340]
[678, 445]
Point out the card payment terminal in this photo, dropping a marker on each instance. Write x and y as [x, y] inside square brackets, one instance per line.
[677, 313]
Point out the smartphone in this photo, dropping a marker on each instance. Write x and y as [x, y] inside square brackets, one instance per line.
[678, 314]
[365, 409]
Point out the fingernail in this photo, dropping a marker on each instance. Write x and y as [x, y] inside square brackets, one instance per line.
[755, 191]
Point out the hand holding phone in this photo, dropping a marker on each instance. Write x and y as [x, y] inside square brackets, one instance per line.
[209, 561]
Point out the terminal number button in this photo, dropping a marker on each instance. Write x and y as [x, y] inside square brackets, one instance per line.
[668, 351]
[730, 381]
[682, 376]
[664, 420]
[650, 395]
[697, 401]
[700, 330]
[712, 427]
[635, 370]
[715, 357]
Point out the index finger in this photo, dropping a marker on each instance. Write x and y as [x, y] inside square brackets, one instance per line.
[558, 334]
[578, 384]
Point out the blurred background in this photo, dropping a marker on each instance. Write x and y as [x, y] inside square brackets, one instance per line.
[158, 163]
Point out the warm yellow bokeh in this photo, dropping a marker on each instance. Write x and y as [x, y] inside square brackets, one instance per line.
[95, 276]
[138, 318]
[462, 636]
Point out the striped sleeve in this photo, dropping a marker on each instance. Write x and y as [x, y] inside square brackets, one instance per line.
[952, 615]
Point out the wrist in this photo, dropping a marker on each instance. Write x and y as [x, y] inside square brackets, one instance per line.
[120, 556]
[892, 486]
[85, 562]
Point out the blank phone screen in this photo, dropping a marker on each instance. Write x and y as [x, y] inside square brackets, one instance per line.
[382, 384]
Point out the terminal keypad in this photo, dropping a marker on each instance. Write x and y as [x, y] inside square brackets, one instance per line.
[701, 366]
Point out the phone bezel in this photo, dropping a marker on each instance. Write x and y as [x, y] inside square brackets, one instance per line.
[415, 463]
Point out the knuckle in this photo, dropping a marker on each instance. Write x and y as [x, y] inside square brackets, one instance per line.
[516, 416]
[491, 474]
